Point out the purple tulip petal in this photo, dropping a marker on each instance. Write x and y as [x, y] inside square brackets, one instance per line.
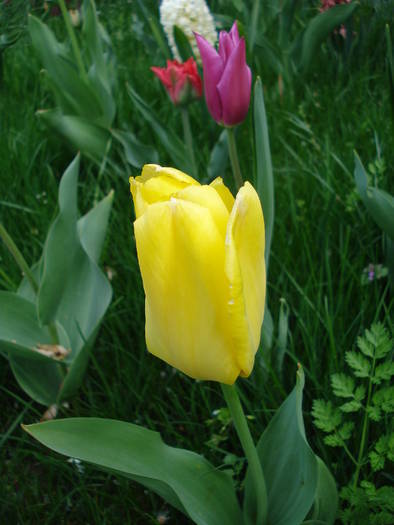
[234, 35]
[213, 66]
[234, 87]
[226, 45]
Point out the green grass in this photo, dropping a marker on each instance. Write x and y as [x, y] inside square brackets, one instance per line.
[323, 240]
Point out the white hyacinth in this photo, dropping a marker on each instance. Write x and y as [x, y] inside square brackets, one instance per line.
[188, 15]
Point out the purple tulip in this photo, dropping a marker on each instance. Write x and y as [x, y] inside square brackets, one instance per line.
[227, 77]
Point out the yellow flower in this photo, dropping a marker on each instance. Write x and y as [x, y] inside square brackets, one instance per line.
[201, 254]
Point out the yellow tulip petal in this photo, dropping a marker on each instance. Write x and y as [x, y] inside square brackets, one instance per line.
[181, 255]
[207, 197]
[224, 193]
[150, 171]
[157, 184]
[245, 269]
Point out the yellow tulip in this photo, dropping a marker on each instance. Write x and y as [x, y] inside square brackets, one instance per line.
[201, 254]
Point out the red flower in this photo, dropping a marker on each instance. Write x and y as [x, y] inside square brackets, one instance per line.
[181, 80]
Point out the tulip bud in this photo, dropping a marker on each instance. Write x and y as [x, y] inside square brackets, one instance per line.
[182, 81]
[201, 255]
[227, 77]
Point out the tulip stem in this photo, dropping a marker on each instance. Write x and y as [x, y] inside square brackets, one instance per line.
[232, 149]
[73, 38]
[233, 402]
[18, 257]
[187, 133]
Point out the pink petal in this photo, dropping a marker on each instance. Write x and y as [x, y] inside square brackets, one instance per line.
[213, 67]
[226, 45]
[234, 35]
[234, 87]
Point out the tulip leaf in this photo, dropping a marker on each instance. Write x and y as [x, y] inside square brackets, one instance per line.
[206, 494]
[174, 146]
[24, 289]
[92, 227]
[379, 203]
[182, 44]
[73, 290]
[137, 154]
[326, 496]
[290, 467]
[319, 28]
[73, 93]
[219, 158]
[83, 136]
[20, 332]
[20, 337]
[264, 175]
[41, 381]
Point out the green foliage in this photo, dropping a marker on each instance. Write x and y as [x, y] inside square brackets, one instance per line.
[371, 400]
[47, 332]
[185, 479]
[290, 467]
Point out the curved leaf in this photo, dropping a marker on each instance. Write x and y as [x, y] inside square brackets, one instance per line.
[379, 203]
[264, 175]
[137, 154]
[326, 496]
[84, 136]
[289, 465]
[207, 495]
[92, 227]
[73, 290]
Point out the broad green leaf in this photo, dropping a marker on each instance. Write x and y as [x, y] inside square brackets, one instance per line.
[38, 375]
[267, 330]
[24, 289]
[84, 136]
[73, 289]
[77, 370]
[170, 141]
[92, 31]
[182, 44]
[92, 227]
[206, 493]
[289, 465]
[264, 175]
[137, 154]
[104, 95]
[326, 496]
[20, 332]
[379, 203]
[219, 158]
[41, 381]
[79, 96]
[319, 28]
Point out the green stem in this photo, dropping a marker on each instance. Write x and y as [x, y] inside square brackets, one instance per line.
[364, 431]
[232, 399]
[73, 39]
[232, 149]
[18, 257]
[187, 133]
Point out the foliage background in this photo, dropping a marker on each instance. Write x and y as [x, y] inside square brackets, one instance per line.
[323, 242]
